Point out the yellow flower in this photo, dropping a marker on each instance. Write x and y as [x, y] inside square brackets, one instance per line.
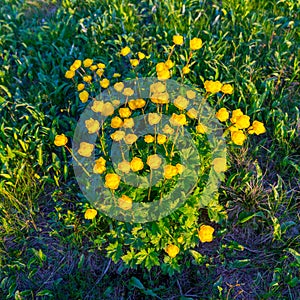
[87, 78]
[128, 92]
[130, 138]
[257, 128]
[232, 128]
[168, 129]
[84, 96]
[60, 140]
[112, 181]
[205, 233]
[235, 114]
[69, 74]
[115, 102]
[76, 65]
[119, 86]
[190, 94]
[227, 89]
[154, 161]
[99, 167]
[90, 214]
[93, 67]
[238, 137]
[195, 44]
[149, 139]
[141, 55]
[118, 135]
[92, 125]
[161, 66]
[172, 250]
[116, 122]
[125, 51]
[136, 164]
[104, 83]
[181, 103]
[137, 103]
[163, 75]
[192, 113]
[212, 86]
[87, 62]
[101, 66]
[128, 123]
[107, 109]
[153, 118]
[180, 168]
[201, 128]
[97, 106]
[186, 70]
[180, 240]
[85, 149]
[242, 122]
[169, 64]
[124, 166]
[125, 202]
[157, 87]
[100, 72]
[161, 139]
[178, 39]
[124, 112]
[160, 98]
[177, 120]
[80, 87]
[170, 171]
[134, 62]
[115, 75]
[222, 114]
[219, 164]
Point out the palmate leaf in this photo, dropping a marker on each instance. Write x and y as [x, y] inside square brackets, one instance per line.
[114, 251]
[148, 258]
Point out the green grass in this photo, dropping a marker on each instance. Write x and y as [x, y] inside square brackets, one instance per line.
[45, 250]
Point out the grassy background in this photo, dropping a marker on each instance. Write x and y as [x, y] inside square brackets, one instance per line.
[44, 250]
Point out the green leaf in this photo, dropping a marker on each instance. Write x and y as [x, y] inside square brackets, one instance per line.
[136, 283]
[295, 254]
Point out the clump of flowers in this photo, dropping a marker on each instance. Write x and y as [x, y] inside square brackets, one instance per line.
[145, 148]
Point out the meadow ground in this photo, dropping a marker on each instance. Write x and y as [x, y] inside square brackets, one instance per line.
[46, 245]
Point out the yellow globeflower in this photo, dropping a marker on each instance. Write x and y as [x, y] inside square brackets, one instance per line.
[76, 65]
[222, 114]
[90, 214]
[125, 202]
[195, 44]
[101, 66]
[118, 135]
[60, 140]
[116, 75]
[160, 98]
[112, 181]
[157, 87]
[170, 171]
[153, 118]
[149, 139]
[140, 103]
[180, 168]
[163, 75]
[168, 129]
[116, 122]
[201, 128]
[161, 139]
[84, 96]
[87, 78]
[219, 164]
[212, 86]
[178, 39]
[192, 113]
[80, 87]
[154, 161]
[178, 120]
[104, 83]
[115, 102]
[130, 138]
[69, 74]
[180, 240]
[169, 64]
[141, 55]
[92, 125]
[235, 115]
[134, 62]
[242, 122]
[124, 166]
[257, 128]
[227, 89]
[172, 250]
[128, 92]
[136, 164]
[100, 72]
[124, 112]
[233, 128]
[125, 51]
[93, 67]
[205, 233]
[97, 106]
[87, 62]
[238, 137]
[190, 94]
[181, 103]
[85, 149]
[128, 123]
[186, 70]
[108, 109]
[119, 86]
[99, 168]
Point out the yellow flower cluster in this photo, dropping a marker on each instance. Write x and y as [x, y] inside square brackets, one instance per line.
[214, 87]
